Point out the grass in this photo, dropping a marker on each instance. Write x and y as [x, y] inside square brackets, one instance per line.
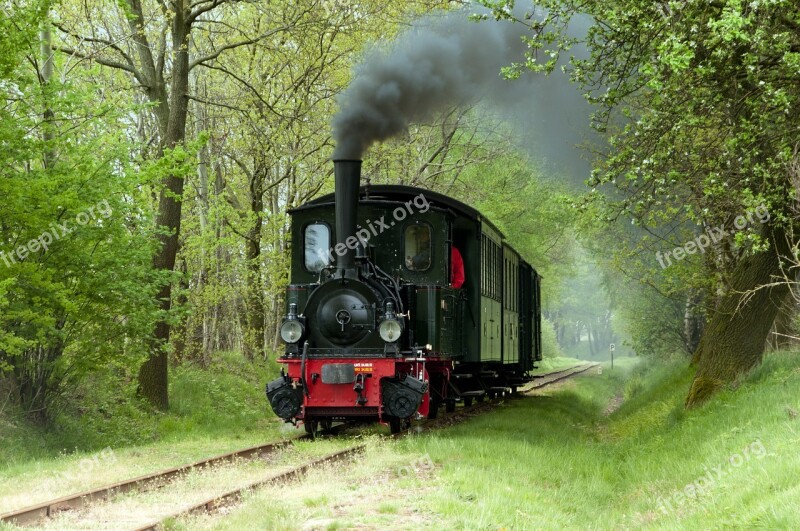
[110, 437]
[649, 464]
[559, 460]
[555, 364]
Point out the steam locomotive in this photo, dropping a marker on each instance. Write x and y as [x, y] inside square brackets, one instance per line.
[374, 330]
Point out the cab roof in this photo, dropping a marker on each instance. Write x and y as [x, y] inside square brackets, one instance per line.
[402, 193]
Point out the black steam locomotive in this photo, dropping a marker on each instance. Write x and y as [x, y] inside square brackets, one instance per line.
[376, 330]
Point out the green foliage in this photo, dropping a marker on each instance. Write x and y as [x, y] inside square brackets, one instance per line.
[652, 325]
[76, 290]
[550, 346]
[225, 399]
[698, 102]
[531, 211]
[100, 410]
[709, 106]
[18, 34]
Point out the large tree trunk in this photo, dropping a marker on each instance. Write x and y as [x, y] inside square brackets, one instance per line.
[254, 334]
[153, 383]
[783, 333]
[735, 337]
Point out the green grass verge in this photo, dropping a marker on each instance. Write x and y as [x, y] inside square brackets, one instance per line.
[563, 460]
[557, 461]
[213, 410]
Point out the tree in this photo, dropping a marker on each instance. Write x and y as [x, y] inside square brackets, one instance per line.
[701, 104]
[270, 106]
[732, 105]
[75, 287]
[158, 45]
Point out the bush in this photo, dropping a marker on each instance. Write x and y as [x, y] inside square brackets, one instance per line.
[227, 396]
[550, 346]
[102, 410]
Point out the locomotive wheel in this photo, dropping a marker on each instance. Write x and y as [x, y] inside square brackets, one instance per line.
[450, 406]
[326, 424]
[395, 425]
[468, 401]
[312, 427]
[433, 408]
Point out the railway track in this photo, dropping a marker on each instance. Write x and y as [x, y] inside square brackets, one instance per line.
[217, 502]
[475, 409]
[37, 513]
[557, 376]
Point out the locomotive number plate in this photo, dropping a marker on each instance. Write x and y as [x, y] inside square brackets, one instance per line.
[338, 373]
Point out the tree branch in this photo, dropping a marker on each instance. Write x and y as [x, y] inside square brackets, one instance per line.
[231, 46]
[217, 104]
[103, 61]
[106, 42]
[250, 87]
[199, 8]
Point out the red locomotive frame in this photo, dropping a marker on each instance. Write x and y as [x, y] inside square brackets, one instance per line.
[341, 401]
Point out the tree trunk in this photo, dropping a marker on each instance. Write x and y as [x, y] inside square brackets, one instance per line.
[735, 337]
[180, 339]
[45, 75]
[254, 335]
[153, 382]
[590, 336]
[207, 339]
[783, 331]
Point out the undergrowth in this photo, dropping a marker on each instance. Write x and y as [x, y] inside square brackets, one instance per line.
[103, 411]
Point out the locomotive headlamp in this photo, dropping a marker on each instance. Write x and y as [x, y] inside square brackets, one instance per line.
[292, 329]
[390, 330]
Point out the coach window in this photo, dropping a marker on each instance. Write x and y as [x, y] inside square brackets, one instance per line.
[418, 247]
[317, 246]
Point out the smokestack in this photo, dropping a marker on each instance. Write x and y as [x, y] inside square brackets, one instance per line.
[348, 177]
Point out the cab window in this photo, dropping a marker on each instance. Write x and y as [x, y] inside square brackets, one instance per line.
[418, 247]
[317, 247]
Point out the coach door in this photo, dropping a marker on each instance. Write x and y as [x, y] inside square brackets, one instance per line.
[511, 330]
[491, 294]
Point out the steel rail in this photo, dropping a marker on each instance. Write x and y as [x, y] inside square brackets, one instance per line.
[570, 372]
[34, 513]
[231, 497]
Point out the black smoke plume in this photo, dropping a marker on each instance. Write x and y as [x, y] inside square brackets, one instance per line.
[449, 60]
